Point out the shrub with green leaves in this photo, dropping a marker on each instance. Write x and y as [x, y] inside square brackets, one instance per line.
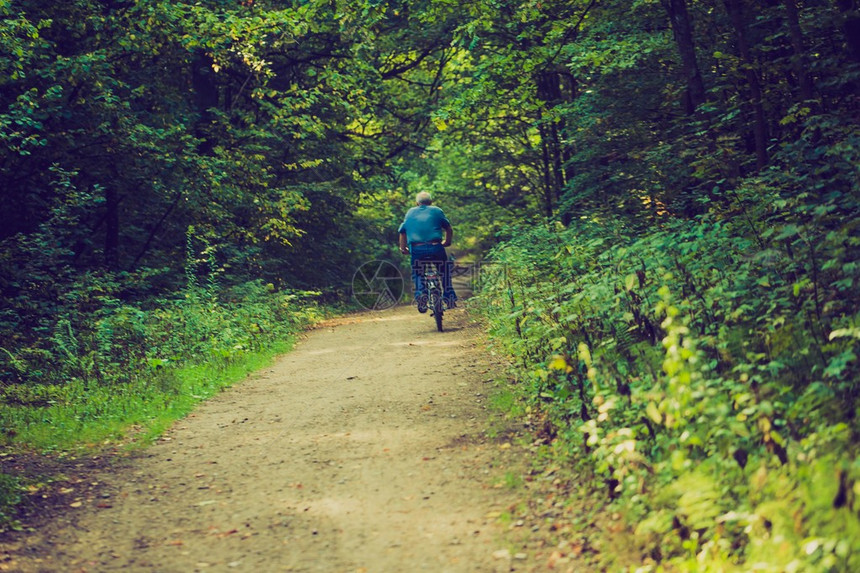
[115, 365]
[703, 371]
[10, 496]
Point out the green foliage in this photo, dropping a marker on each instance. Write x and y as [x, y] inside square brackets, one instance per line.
[681, 298]
[706, 375]
[93, 380]
[687, 315]
[180, 181]
[10, 496]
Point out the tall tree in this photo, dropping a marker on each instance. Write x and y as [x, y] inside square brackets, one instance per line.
[682, 27]
[799, 59]
[737, 12]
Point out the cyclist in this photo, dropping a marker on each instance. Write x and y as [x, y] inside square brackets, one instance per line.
[421, 235]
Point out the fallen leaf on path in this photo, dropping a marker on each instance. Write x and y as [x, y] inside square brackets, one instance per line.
[76, 504]
[175, 542]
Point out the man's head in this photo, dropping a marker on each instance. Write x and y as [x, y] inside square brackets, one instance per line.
[423, 198]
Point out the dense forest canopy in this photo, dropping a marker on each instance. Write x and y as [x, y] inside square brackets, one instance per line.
[665, 194]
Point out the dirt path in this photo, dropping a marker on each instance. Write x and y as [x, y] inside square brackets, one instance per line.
[364, 449]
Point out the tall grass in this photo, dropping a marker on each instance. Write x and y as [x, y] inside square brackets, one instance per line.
[87, 416]
[120, 374]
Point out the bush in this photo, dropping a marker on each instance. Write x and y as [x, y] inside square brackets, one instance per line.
[119, 364]
[10, 496]
[703, 371]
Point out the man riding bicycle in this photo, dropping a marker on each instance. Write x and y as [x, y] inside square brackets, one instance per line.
[421, 236]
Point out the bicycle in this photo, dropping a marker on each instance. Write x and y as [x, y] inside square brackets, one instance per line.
[433, 285]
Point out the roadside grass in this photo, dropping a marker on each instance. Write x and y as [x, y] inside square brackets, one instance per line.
[88, 419]
[87, 416]
[504, 401]
[10, 497]
[561, 513]
[512, 480]
[505, 406]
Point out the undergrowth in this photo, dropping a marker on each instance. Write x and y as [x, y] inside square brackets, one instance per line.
[702, 373]
[120, 374]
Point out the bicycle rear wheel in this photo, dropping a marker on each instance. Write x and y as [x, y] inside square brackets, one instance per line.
[436, 305]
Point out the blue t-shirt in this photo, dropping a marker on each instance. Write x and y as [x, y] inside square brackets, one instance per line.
[423, 224]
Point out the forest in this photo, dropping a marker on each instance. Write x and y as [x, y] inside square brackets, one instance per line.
[663, 196]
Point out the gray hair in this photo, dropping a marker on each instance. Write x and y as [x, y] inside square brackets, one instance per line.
[423, 198]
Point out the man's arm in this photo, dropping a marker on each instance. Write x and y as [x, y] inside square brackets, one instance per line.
[404, 248]
[449, 236]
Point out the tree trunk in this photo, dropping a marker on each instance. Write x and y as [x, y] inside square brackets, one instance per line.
[557, 162]
[111, 248]
[569, 93]
[205, 97]
[797, 45]
[547, 172]
[683, 30]
[735, 9]
[549, 90]
[155, 229]
[851, 27]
